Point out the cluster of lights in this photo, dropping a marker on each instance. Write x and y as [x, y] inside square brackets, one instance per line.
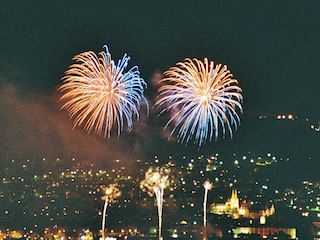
[317, 129]
[290, 117]
[183, 181]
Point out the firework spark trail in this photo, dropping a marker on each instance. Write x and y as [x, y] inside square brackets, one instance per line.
[111, 193]
[207, 186]
[159, 190]
[104, 217]
[99, 94]
[203, 97]
[155, 182]
[159, 197]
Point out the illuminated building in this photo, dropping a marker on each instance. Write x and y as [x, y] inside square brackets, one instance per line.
[265, 231]
[233, 208]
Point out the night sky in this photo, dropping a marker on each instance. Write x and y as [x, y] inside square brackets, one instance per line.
[271, 47]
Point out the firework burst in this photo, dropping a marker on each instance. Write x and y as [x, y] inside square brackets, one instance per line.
[155, 182]
[99, 94]
[200, 97]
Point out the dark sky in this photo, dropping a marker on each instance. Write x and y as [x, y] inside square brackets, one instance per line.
[271, 47]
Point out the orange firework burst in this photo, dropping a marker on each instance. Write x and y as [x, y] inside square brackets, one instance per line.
[100, 94]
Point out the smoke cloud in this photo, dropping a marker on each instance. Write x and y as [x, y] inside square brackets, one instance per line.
[33, 126]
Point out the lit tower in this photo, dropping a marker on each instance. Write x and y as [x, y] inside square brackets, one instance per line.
[234, 201]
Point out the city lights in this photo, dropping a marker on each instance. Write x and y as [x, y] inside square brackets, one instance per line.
[52, 188]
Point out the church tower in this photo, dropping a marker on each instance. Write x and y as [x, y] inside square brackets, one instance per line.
[234, 201]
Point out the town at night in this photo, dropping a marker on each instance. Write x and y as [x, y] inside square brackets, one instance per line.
[159, 120]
